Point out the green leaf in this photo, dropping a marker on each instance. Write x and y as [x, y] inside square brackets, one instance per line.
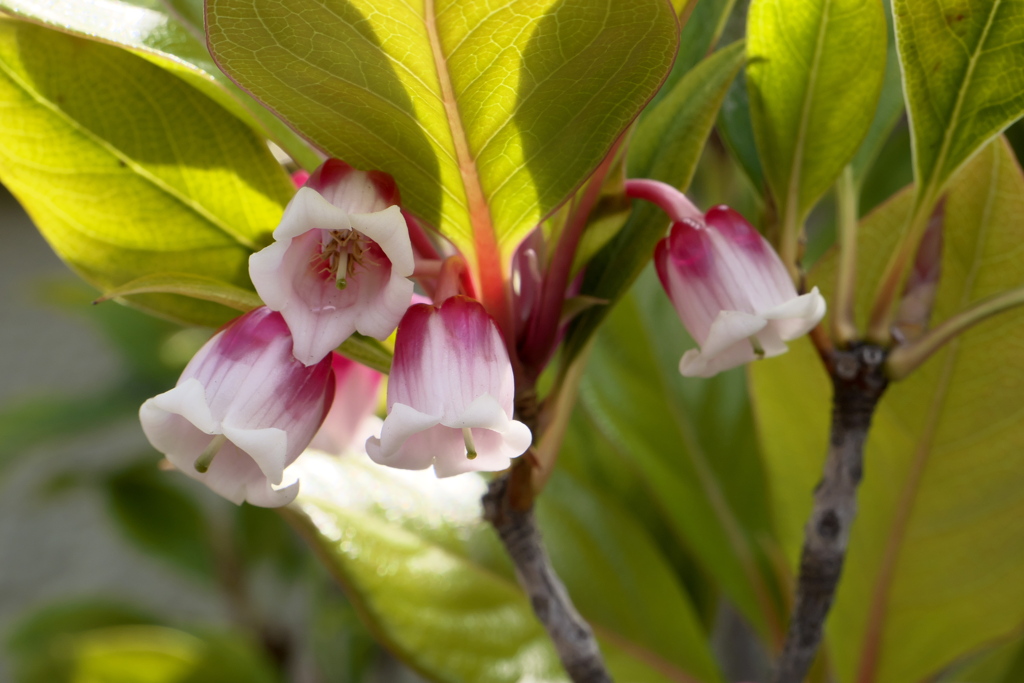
[161, 519]
[666, 146]
[432, 581]
[194, 286]
[937, 551]
[1001, 664]
[889, 110]
[618, 577]
[814, 73]
[488, 114]
[963, 75]
[705, 21]
[37, 642]
[737, 131]
[170, 35]
[154, 654]
[688, 442]
[128, 171]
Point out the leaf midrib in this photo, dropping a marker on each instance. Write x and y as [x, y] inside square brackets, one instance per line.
[642, 653]
[878, 610]
[793, 192]
[128, 161]
[930, 186]
[481, 224]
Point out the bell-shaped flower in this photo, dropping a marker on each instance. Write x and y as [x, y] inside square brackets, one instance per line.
[242, 411]
[732, 292]
[340, 262]
[450, 394]
[352, 417]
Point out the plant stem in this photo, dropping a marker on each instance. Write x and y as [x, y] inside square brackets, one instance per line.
[844, 329]
[905, 359]
[858, 382]
[517, 527]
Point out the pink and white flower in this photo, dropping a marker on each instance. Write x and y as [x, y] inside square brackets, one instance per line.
[242, 411]
[341, 260]
[450, 394]
[732, 292]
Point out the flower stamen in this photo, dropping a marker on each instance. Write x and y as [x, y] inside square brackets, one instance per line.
[205, 459]
[467, 436]
[758, 349]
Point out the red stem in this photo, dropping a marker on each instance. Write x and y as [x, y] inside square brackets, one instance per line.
[669, 199]
[542, 330]
[451, 278]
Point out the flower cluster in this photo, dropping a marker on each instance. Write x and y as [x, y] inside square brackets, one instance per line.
[254, 397]
[343, 261]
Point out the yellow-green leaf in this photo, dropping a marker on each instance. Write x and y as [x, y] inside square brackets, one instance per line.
[170, 38]
[488, 113]
[128, 171]
[814, 73]
[937, 550]
[963, 77]
[433, 582]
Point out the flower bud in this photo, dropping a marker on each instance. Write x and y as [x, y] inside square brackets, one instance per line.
[242, 411]
[732, 292]
[340, 262]
[450, 394]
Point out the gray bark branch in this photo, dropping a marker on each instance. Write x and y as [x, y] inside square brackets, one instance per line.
[574, 640]
[858, 384]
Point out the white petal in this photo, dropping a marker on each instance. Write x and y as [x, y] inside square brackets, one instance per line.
[381, 299]
[402, 423]
[235, 476]
[268, 448]
[388, 229]
[308, 210]
[798, 316]
[696, 364]
[178, 423]
[484, 413]
[729, 328]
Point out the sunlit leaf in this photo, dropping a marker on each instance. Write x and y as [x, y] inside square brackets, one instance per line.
[937, 550]
[128, 171]
[814, 72]
[963, 75]
[431, 579]
[487, 113]
[170, 35]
